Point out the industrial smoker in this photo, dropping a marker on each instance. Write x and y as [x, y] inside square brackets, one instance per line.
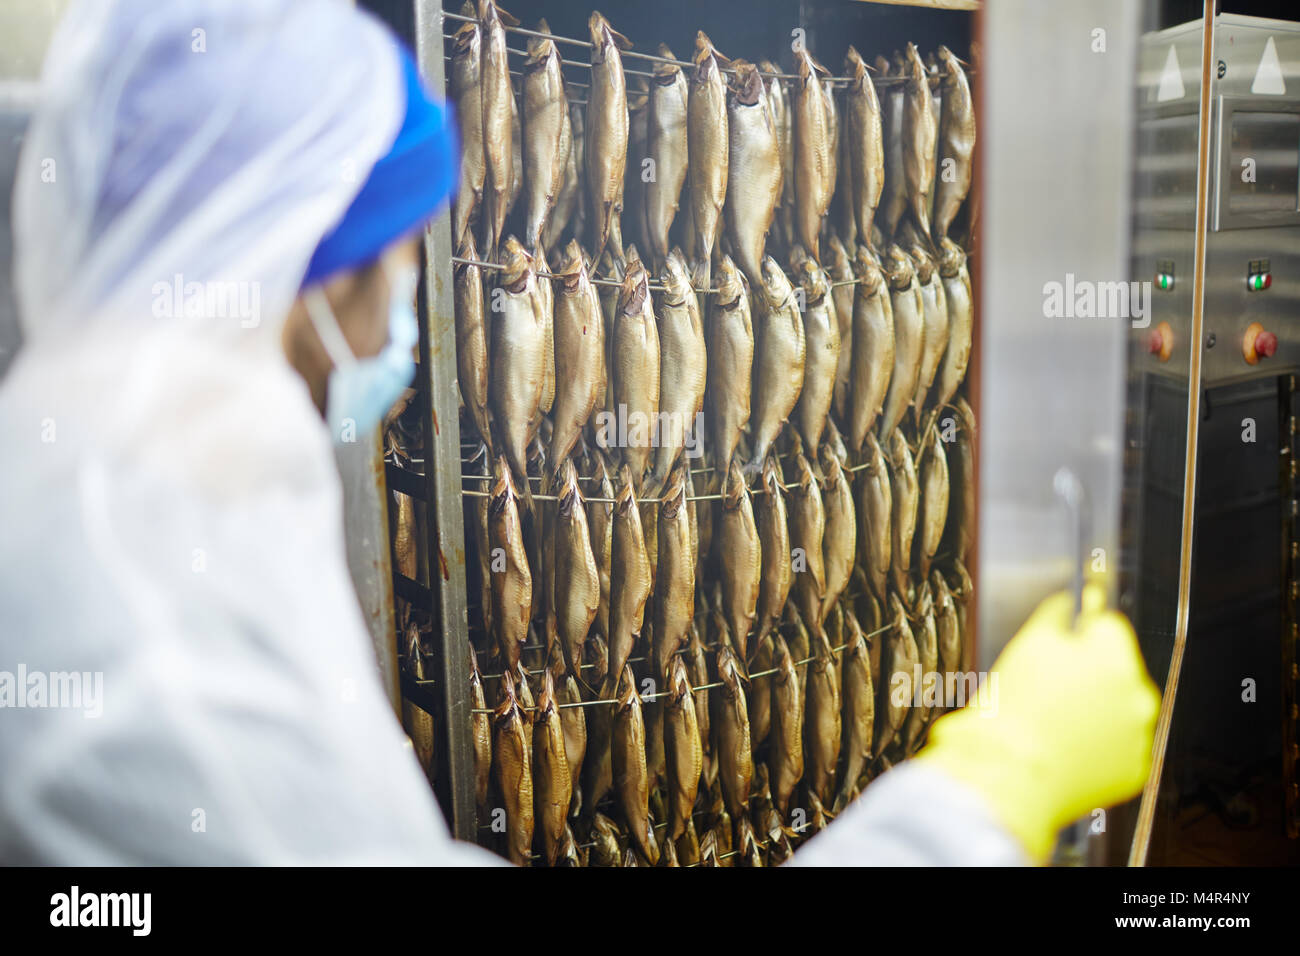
[1232, 686]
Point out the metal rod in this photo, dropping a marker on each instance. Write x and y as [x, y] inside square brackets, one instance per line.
[454, 784]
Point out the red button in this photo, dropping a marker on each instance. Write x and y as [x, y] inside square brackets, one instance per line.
[1156, 342]
[1266, 343]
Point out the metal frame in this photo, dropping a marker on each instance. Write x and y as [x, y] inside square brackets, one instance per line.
[454, 782]
[1227, 106]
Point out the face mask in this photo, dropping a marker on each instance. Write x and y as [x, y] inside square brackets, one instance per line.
[361, 391]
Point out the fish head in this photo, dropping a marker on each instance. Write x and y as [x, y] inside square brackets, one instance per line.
[569, 492]
[832, 466]
[468, 39]
[679, 683]
[798, 256]
[597, 659]
[939, 589]
[867, 270]
[963, 588]
[666, 74]
[951, 258]
[772, 477]
[628, 698]
[839, 256]
[804, 476]
[813, 281]
[540, 51]
[707, 59]
[635, 290]
[673, 497]
[729, 672]
[898, 63]
[517, 265]
[746, 83]
[503, 490]
[915, 65]
[922, 263]
[625, 500]
[776, 284]
[546, 704]
[573, 266]
[676, 278]
[882, 64]
[734, 489]
[605, 40]
[898, 268]
[730, 288]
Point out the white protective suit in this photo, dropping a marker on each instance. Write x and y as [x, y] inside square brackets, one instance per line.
[170, 509]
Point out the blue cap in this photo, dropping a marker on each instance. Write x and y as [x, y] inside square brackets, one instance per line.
[404, 189]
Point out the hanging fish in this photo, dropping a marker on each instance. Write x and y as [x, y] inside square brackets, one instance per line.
[708, 146]
[667, 147]
[607, 130]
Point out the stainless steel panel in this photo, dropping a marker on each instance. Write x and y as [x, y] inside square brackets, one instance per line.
[1230, 307]
[1257, 168]
[1056, 132]
[1239, 46]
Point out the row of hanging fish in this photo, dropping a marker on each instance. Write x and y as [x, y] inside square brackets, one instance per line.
[741, 687]
[717, 503]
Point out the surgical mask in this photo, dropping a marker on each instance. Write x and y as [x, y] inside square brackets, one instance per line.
[362, 390]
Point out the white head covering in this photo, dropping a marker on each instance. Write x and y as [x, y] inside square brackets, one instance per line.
[209, 151]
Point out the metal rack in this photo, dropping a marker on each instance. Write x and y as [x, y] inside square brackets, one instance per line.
[445, 694]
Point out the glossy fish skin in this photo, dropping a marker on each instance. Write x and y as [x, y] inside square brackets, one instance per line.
[934, 311]
[956, 143]
[577, 579]
[730, 365]
[631, 225]
[630, 776]
[840, 268]
[947, 626]
[630, 580]
[573, 720]
[897, 675]
[814, 152]
[546, 136]
[683, 368]
[740, 553]
[635, 367]
[697, 669]
[709, 147]
[600, 522]
[754, 177]
[807, 533]
[683, 751]
[866, 153]
[607, 129]
[674, 593]
[906, 491]
[518, 353]
[481, 735]
[733, 750]
[840, 541]
[961, 321]
[552, 782]
[821, 354]
[780, 103]
[920, 138]
[876, 514]
[512, 588]
[759, 697]
[598, 767]
[512, 764]
[579, 332]
[472, 356]
[498, 123]
[467, 94]
[569, 203]
[894, 199]
[822, 723]
[667, 145]
[774, 542]
[780, 350]
[927, 646]
[859, 709]
[932, 514]
[786, 759]
[873, 347]
[909, 338]
[959, 533]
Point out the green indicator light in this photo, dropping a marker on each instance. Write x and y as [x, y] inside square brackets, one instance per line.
[1164, 281]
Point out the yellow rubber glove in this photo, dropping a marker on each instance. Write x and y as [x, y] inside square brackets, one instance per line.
[1072, 728]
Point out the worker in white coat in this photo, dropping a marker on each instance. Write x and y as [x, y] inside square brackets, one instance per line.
[214, 222]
